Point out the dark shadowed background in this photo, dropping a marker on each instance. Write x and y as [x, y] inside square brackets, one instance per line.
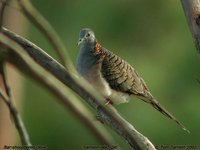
[153, 36]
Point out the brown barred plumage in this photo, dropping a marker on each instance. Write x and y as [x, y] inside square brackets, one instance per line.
[122, 77]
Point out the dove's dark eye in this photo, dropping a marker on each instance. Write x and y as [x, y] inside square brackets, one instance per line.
[88, 35]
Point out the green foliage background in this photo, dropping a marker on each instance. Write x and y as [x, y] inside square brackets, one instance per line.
[154, 37]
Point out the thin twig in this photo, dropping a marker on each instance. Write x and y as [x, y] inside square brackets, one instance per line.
[2, 8]
[7, 4]
[8, 99]
[192, 13]
[15, 115]
[108, 114]
[44, 26]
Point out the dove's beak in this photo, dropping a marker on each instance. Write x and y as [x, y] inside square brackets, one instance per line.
[80, 41]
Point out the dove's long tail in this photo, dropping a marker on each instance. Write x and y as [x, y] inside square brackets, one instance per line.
[161, 109]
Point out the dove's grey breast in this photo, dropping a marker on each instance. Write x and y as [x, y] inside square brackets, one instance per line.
[89, 67]
[86, 59]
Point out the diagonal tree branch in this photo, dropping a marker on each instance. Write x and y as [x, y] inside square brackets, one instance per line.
[107, 114]
[44, 26]
[7, 97]
[192, 13]
[2, 8]
[13, 110]
[17, 120]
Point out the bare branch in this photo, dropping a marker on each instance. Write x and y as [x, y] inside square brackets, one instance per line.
[44, 26]
[2, 7]
[15, 115]
[8, 99]
[107, 114]
[192, 13]
[7, 89]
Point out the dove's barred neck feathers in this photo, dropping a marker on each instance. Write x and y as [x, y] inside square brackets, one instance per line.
[111, 75]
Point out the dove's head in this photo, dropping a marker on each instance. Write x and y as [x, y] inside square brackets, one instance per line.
[86, 36]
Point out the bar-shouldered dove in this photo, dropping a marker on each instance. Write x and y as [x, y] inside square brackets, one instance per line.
[111, 75]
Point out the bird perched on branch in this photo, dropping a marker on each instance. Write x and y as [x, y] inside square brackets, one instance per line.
[111, 75]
